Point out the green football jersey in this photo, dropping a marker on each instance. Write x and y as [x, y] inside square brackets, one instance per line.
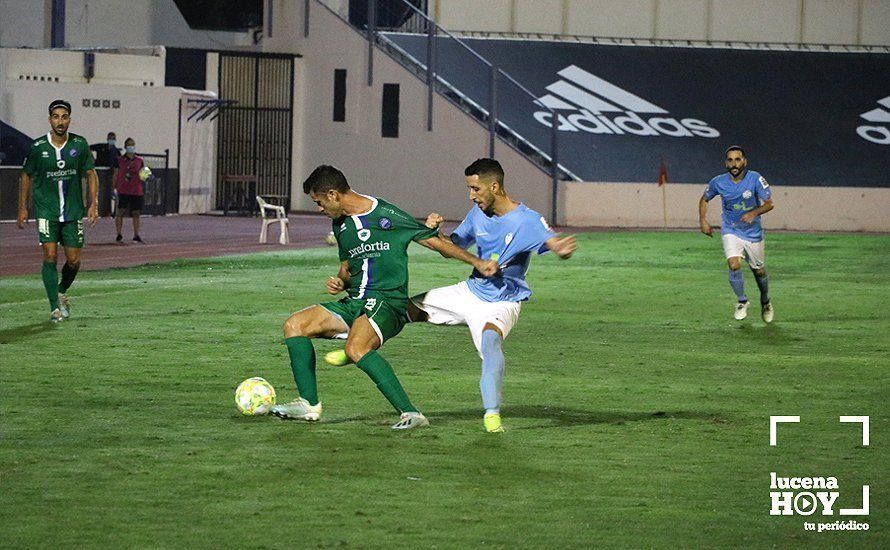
[56, 175]
[375, 245]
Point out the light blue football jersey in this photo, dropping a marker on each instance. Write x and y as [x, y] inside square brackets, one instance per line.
[509, 240]
[739, 198]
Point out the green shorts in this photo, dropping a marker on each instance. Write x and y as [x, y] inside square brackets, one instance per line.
[386, 318]
[68, 233]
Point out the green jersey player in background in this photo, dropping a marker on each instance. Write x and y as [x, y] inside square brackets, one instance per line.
[55, 168]
[372, 237]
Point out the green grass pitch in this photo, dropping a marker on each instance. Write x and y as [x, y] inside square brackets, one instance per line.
[637, 410]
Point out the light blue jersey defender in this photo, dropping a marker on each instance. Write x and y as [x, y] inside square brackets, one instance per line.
[739, 198]
[509, 240]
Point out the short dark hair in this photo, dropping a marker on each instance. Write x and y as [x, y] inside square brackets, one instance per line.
[732, 148]
[56, 103]
[485, 168]
[323, 179]
[129, 139]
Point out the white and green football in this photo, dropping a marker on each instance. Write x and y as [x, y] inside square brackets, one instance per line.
[254, 396]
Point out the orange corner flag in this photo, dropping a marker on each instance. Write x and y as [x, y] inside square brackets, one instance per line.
[662, 174]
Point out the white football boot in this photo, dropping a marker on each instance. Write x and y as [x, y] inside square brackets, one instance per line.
[56, 316]
[410, 420]
[65, 305]
[298, 409]
[767, 312]
[741, 311]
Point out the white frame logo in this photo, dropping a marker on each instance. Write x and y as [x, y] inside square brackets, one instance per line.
[591, 104]
[877, 134]
[805, 496]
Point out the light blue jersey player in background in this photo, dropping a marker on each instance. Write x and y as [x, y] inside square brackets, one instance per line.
[509, 233]
[746, 195]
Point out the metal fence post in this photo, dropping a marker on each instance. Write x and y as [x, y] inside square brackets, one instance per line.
[166, 180]
[372, 23]
[492, 110]
[430, 72]
[554, 163]
[306, 18]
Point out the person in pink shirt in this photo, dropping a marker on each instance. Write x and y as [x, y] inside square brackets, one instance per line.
[129, 189]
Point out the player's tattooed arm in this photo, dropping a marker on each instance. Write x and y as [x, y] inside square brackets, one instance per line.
[338, 284]
[563, 247]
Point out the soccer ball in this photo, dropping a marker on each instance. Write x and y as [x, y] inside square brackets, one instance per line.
[330, 239]
[144, 173]
[254, 396]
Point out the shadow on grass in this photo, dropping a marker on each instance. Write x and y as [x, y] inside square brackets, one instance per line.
[559, 417]
[556, 417]
[10, 335]
[772, 334]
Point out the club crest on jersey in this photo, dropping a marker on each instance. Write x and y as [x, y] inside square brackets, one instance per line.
[72, 152]
[508, 238]
[364, 234]
[60, 163]
[385, 223]
[746, 194]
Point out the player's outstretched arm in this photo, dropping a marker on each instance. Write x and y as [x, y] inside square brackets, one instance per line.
[703, 217]
[451, 250]
[434, 220]
[563, 247]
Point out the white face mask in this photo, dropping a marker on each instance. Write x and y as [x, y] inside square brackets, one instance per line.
[131, 149]
[111, 142]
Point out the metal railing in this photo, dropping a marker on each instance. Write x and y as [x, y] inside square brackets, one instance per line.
[497, 100]
[158, 198]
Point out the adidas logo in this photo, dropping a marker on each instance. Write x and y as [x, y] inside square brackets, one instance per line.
[877, 134]
[601, 107]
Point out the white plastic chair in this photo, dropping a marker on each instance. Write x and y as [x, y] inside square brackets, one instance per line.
[273, 214]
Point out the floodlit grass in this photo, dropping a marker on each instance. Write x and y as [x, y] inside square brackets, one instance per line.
[636, 408]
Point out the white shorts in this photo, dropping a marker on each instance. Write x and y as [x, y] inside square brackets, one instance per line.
[736, 247]
[457, 305]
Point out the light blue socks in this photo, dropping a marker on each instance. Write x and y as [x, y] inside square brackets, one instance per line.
[492, 370]
[737, 282]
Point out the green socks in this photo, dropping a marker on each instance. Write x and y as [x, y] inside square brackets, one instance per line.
[379, 370]
[51, 284]
[302, 363]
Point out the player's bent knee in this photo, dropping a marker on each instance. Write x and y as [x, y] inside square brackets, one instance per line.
[494, 328]
[355, 351]
[297, 325]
